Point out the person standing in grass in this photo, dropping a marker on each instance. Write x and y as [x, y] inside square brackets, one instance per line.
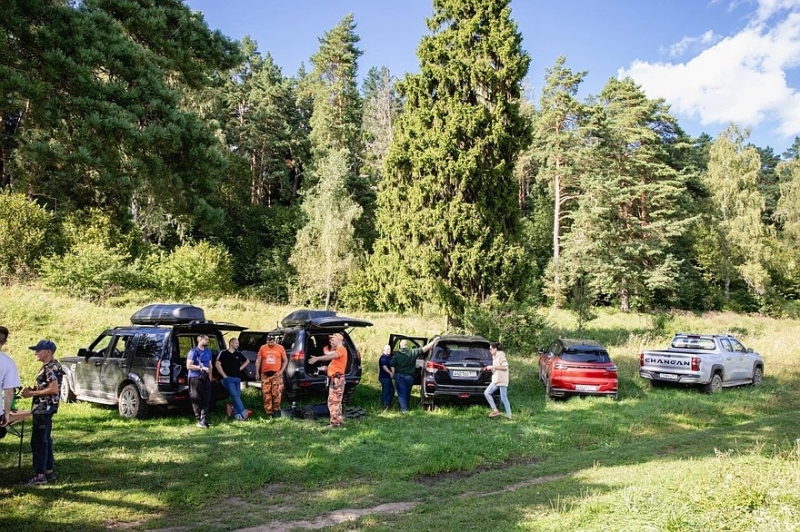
[9, 379]
[404, 363]
[230, 364]
[198, 362]
[386, 376]
[499, 369]
[270, 364]
[337, 355]
[45, 394]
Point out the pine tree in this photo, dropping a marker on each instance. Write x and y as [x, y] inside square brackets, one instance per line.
[629, 213]
[447, 207]
[556, 145]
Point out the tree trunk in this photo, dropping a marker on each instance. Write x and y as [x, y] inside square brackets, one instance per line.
[624, 297]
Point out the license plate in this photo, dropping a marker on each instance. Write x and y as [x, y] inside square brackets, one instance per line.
[468, 374]
[585, 388]
[668, 376]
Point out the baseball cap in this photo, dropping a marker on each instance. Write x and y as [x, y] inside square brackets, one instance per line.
[42, 345]
[270, 336]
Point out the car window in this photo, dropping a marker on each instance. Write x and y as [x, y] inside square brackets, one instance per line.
[185, 344]
[252, 341]
[100, 346]
[121, 346]
[597, 355]
[288, 341]
[461, 353]
[149, 346]
[726, 345]
[737, 347]
[693, 342]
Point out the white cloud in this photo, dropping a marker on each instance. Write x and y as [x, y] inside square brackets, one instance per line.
[688, 44]
[741, 78]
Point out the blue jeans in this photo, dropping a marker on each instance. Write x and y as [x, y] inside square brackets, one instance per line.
[387, 391]
[42, 443]
[503, 397]
[233, 385]
[404, 384]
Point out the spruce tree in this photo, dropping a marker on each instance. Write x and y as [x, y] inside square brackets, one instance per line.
[448, 218]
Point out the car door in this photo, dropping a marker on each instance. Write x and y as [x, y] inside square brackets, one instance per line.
[743, 367]
[116, 364]
[730, 358]
[394, 344]
[88, 371]
[547, 362]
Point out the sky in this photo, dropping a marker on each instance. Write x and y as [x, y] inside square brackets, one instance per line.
[713, 61]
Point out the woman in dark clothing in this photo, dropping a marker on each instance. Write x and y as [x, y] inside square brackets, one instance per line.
[386, 376]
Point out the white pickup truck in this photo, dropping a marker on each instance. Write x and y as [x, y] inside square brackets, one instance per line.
[713, 361]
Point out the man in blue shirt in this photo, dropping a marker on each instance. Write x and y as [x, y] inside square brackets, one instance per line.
[198, 362]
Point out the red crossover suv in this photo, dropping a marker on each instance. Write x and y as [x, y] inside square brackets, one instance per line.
[577, 367]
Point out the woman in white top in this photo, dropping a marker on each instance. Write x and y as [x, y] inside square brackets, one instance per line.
[499, 369]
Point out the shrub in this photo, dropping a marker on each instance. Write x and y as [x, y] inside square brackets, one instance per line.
[23, 230]
[517, 326]
[89, 270]
[190, 270]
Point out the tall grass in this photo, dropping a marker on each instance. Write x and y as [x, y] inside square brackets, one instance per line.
[670, 459]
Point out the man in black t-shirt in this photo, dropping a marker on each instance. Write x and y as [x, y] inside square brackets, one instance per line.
[230, 365]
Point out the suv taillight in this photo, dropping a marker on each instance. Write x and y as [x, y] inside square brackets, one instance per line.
[299, 356]
[433, 367]
[163, 372]
[695, 363]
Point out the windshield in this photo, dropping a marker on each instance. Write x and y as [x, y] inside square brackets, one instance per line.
[252, 341]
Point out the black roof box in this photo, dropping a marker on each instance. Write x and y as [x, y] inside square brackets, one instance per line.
[305, 315]
[167, 314]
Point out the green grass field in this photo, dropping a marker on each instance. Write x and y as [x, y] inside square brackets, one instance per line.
[666, 459]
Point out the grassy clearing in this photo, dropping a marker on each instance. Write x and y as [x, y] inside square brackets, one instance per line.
[667, 459]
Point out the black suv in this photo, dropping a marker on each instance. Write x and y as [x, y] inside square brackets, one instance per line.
[303, 334]
[454, 369]
[142, 364]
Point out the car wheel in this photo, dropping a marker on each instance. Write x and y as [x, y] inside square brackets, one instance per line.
[67, 395]
[615, 397]
[541, 376]
[548, 389]
[130, 404]
[714, 385]
[758, 375]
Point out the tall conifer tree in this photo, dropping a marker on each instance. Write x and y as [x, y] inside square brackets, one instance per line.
[448, 218]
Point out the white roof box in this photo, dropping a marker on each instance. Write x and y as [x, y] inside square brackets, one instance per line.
[171, 314]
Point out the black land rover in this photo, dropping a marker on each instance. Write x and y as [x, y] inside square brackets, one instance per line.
[303, 334]
[142, 364]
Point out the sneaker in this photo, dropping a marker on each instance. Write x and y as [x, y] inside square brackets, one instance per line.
[51, 476]
[202, 425]
[35, 480]
[508, 417]
[494, 413]
[331, 427]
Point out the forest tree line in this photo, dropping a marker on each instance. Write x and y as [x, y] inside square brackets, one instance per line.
[142, 151]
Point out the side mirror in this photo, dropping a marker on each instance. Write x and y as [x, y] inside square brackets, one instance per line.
[749, 349]
[83, 352]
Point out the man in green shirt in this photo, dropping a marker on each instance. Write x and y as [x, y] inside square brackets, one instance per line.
[404, 363]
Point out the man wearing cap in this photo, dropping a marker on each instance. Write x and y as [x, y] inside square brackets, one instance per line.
[337, 355]
[270, 363]
[404, 363]
[9, 379]
[45, 396]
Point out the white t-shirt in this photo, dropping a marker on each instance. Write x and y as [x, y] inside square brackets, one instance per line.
[9, 377]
